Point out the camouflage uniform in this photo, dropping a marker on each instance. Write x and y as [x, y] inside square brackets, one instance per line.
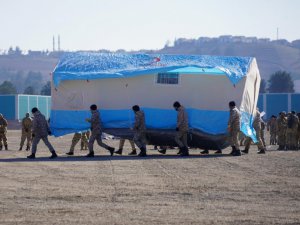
[122, 142]
[281, 125]
[40, 130]
[272, 127]
[182, 128]
[96, 130]
[85, 140]
[26, 132]
[234, 127]
[262, 132]
[257, 128]
[139, 129]
[291, 131]
[3, 131]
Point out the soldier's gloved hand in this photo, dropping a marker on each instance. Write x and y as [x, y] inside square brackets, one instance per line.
[49, 132]
[177, 129]
[26, 130]
[32, 135]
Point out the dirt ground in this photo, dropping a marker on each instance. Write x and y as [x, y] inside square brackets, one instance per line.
[159, 189]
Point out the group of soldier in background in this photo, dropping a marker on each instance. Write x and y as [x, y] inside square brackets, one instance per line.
[284, 131]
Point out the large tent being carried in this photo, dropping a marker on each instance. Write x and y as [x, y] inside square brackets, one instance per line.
[115, 82]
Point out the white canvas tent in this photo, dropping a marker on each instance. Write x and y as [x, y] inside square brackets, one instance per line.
[116, 82]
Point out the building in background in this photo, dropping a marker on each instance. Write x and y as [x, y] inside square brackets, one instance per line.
[14, 107]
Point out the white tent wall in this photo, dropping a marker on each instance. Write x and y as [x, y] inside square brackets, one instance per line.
[249, 99]
[194, 91]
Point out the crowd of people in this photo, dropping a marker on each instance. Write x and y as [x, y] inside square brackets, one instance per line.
[284, 132]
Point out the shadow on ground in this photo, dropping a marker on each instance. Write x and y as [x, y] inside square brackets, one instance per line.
[107, 158]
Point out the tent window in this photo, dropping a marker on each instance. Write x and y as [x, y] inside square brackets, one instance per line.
[167, 78]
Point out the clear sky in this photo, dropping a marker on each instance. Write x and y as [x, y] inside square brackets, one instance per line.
[140, 24]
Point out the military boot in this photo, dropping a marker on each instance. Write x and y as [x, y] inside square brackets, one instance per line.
[32, 156]
[119, 152]
[53, 156]
[218, 151]
[5, 146]
[237, 152]
[91, 154]
[142, 152]
[184, 151]
[70, 153]
[232, 150]
[27, 148]
[245, 151]
[133, 152]
[205, 151]
[0, 147]
[111, 150]
[20, 149]
[261, 151]
[162, 150]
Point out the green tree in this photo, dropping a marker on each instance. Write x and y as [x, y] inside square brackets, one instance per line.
[263, 86]
[7, 88]
[34, 79]
[281, 82]
[46, 89]
[29, 91]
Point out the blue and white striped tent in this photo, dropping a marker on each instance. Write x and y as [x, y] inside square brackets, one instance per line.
[115, 82]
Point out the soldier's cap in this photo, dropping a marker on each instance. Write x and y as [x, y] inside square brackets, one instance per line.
[283, 112]
[35, 109]
[1, 115]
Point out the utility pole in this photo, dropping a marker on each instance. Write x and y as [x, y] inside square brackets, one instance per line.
[277, 34]
[58, 43]
[53, 43]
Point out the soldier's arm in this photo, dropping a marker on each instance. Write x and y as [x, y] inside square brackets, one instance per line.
[137, 122]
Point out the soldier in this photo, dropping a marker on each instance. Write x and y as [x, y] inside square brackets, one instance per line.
[40, 130]
[26, 132]
[85, 136]
[234, 129]
[262, 132]
[121, 145]
[272, 128]
[182, 128]
[257, 128]
[281, 126]
[291, 131]
[3, 131]
[96, 130]
[76, 138]
[139, 129]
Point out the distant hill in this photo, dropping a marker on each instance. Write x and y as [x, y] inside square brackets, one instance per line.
[271, 55]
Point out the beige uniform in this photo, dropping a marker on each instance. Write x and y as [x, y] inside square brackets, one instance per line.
[26, 131]
[234, 127]
[272, 127]
[76, 138]
[139, 129]
[3, 131]
[96, 130]
[182, 127]
[291, 131]
[281, 125]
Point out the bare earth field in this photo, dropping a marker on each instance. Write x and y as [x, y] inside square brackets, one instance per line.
[159, 189]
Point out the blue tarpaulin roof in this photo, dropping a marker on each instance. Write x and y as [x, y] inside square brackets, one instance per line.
[90, 65]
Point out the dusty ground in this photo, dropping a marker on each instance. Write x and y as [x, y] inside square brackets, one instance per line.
[251, 189]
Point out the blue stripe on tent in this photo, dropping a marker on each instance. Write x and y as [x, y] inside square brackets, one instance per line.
[211, 122]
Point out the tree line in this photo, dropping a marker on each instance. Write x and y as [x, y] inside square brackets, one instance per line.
[19, 82]
[279, 82]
